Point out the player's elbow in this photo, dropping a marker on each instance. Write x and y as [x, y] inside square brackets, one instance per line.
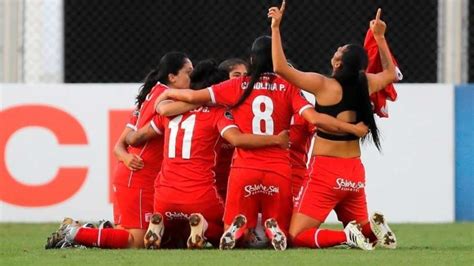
[314, 120]
[117, 150]
[233, 140]
[132, 139]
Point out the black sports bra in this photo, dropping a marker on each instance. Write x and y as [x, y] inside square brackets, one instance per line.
[347, 103]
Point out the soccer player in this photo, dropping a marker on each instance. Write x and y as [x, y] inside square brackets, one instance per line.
[139, 165]
[337, 177]
[235, 67]
[263, 104]
[185, 191]
[301, 133]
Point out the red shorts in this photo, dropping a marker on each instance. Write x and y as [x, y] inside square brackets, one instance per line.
[133, 207]
[177, 225]
[297, 178]
[251, 191]
[334, 184]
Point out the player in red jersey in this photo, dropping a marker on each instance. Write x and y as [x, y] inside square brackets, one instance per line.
[301, 133]
[235, 67]
[138, 167]
[263, 104]
[188, 195]
[337, 176]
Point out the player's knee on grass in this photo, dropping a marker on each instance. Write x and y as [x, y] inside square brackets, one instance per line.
[135, 238]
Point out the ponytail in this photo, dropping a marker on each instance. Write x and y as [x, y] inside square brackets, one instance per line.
[150, 81]
[254, 77]
[352, 74]
[365, 112]
[261, 62]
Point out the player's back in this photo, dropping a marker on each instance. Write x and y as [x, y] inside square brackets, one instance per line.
[189, 155]
[266, 111]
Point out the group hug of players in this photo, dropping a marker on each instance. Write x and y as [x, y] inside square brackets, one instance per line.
[216, 155]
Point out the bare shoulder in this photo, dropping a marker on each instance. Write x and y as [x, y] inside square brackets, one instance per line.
[331, 92]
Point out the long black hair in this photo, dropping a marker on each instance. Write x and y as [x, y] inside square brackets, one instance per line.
[170, 63]
[207, 73]
[260, 62]
[352, 73]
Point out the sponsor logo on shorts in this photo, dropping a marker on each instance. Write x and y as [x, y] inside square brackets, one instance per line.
[177, 216]
[251, 190]
[148, 216]
[347, 185]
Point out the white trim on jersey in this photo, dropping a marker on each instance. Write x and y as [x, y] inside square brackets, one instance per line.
[157, 130]
[304, 108]
[227, 127]
[140, 207]
[132, 127]
[211, 92]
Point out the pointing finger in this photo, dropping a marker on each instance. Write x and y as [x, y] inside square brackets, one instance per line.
[377, 17]
[282, 8]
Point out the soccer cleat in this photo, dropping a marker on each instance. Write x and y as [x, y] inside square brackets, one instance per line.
[88, 225]
[198, 227]
[275, 234]
[105, 224]
[229, 237]
[64, 236]
[385, 236]
[355, 238]
[154, 234]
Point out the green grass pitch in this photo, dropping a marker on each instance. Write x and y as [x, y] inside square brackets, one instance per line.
[419, 244]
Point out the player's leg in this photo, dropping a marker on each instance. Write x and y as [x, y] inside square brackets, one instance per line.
[354, 207]
[206, 223]
[297, 178]
[277, 204]
[320, 195]
[72, 233]
[156, 228]
[242, 205]
[136, 207]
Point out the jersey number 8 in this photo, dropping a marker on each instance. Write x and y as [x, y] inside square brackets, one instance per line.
[260, 115]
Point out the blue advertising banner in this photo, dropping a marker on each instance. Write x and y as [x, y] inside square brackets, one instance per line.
[464, 154]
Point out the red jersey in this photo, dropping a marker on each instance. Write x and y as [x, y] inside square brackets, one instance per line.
[151, 152]
[225, 152]
[267, 111]
[189, 153]
[301, 133]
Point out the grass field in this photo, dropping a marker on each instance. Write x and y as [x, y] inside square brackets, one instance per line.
[419, 244]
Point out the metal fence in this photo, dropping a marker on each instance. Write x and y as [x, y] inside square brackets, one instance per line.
[119, 41]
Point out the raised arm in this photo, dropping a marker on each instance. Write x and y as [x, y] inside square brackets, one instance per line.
[130, 160]
[249, 141]
[172, 108]
[137, 138]
[332, 124]
[380, 80]
[308, 81]
[190, 96]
